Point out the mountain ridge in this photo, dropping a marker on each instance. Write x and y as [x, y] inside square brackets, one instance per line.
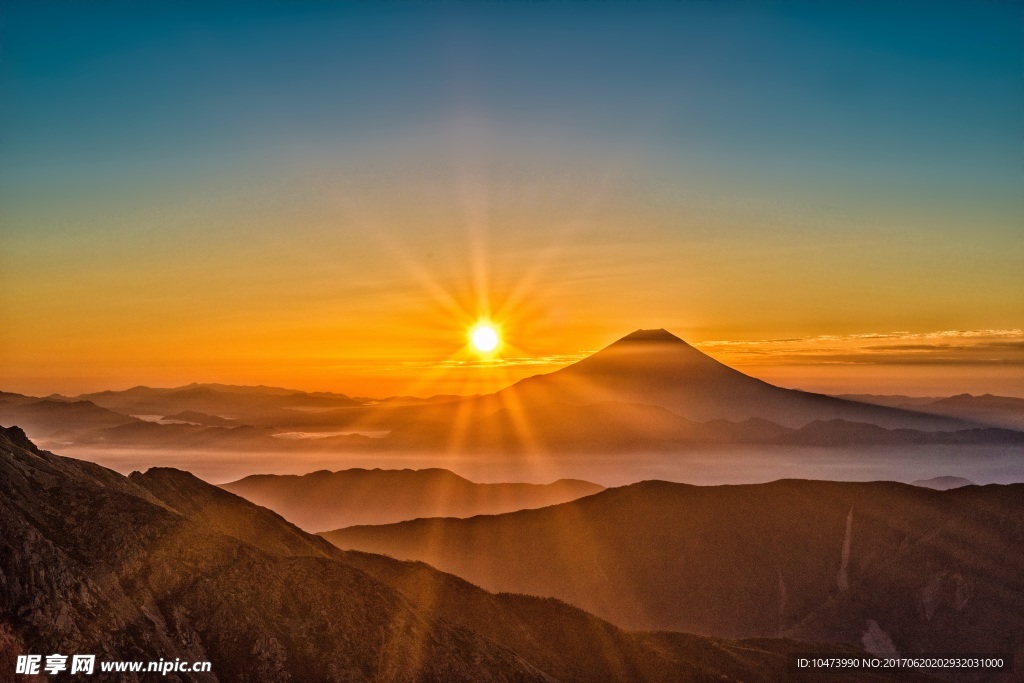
[161, 565]
[326, 500]
[811, 560]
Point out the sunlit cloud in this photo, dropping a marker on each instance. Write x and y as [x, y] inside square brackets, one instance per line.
[945, 347]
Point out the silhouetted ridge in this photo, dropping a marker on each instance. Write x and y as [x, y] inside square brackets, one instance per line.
[816, 561]
[330, 500]
[163, 565]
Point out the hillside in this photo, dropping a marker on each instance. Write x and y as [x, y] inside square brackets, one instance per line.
[329, 500]
[162, 565]
[932, 571]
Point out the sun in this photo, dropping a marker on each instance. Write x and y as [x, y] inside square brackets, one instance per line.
[484, 337]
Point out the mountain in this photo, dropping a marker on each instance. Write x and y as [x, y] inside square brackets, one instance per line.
[943, 483]
[161, 565]
[880, 565]
[613, 426]
[996, 411]
[215, 399]
[1000, 411]
[11, 397]
[328, 500]
[48, 418]
[648, 391]
[610, 426]
[824, 433]
[95, 563]
[654, 367]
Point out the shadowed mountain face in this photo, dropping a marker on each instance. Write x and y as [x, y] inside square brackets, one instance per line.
[657, 368]
[882, 565]
[329, 500]
[163, 565]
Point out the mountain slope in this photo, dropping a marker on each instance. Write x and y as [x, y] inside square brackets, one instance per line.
[933, 570]
[329, 500]
[47, 418]
[94, 563]
[563, 641]
[163, 565]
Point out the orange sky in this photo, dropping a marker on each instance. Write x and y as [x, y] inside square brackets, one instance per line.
[333, 196]
[376, 299]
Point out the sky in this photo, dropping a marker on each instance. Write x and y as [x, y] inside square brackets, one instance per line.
[328, 195]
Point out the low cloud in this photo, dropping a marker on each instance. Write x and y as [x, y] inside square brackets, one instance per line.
[946, 347]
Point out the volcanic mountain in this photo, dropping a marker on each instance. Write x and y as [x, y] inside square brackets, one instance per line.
[655, 367]
[650, 391]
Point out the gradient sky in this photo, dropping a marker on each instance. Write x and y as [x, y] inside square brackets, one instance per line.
[326, 195]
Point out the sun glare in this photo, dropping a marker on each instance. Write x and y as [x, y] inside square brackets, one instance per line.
[484, 338]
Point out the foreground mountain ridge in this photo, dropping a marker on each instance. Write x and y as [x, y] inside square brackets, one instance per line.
[163, 565]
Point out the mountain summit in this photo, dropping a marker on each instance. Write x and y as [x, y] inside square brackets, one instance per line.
[655, 367]
[652, 336]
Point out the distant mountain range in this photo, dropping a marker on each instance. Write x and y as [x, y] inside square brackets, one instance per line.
[328, 500]
[995, 411]
[161, 565]
[886, 566]
[223, 400]
[650, 390]
[49, 419]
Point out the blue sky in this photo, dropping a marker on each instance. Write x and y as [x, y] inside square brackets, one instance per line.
[853, 89]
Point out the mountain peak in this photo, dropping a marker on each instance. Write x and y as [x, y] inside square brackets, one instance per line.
[649, 336]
